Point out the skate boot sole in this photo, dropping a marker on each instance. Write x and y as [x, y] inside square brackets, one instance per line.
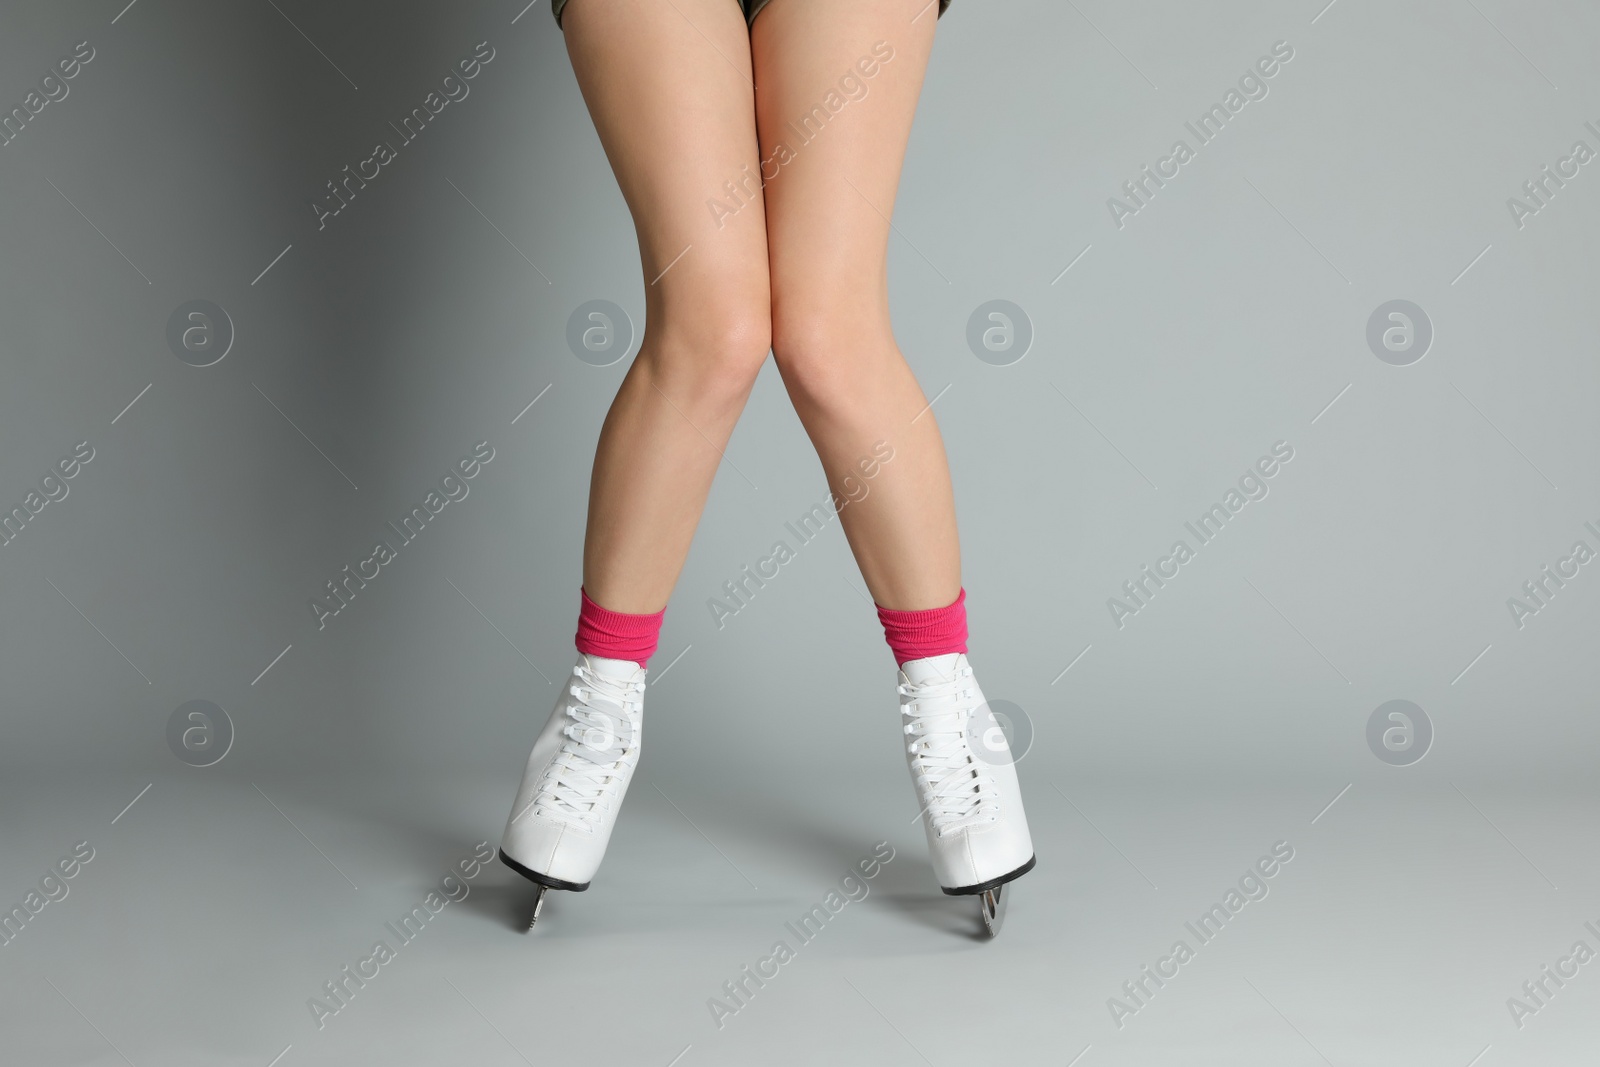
[572, 887]
[981, 887]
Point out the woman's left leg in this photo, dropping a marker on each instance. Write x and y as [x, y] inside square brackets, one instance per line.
[837, 83]
[836, 88]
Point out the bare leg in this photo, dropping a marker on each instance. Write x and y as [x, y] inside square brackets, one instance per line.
[827, 229]
[668, 86]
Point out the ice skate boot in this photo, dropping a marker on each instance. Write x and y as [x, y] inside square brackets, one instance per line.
[576, 777]
[966, 784]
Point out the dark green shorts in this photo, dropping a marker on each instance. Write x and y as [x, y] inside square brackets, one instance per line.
[751, 7]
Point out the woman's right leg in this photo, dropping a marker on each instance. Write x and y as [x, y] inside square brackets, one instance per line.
[668, 86]
[670, 92]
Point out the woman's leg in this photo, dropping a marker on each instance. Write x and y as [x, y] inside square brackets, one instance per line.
[669, 89]
[829, 198]
[827, 231]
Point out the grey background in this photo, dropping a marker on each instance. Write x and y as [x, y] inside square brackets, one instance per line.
[1175, 351]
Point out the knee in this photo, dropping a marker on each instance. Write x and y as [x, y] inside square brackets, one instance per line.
[824, 349]
[709, 353]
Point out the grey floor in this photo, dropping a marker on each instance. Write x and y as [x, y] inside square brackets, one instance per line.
[212, 912]
[340, 771]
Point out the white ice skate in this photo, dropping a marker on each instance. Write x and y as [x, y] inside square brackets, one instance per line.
[966, 784]
[576, 777]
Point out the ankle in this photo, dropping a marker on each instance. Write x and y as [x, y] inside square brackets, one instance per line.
[617, 635]
[914, 635]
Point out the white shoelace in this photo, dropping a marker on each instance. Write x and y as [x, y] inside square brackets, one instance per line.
[598, 749]
[959, 788]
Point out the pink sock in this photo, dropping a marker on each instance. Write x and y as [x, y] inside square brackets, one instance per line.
[931, 632]
[616, 634]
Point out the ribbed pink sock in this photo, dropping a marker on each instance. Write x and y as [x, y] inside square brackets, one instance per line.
[931, 632]
[616, 634]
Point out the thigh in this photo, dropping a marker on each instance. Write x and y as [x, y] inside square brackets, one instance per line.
[670, 90]
[838, 82]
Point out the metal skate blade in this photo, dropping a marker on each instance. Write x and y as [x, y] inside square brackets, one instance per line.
[992, 907]
[538, 903]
